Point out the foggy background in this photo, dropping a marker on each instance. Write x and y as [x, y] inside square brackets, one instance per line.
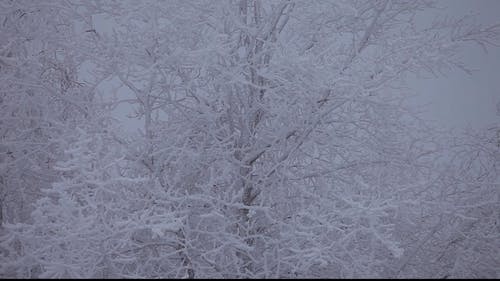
[459, 100]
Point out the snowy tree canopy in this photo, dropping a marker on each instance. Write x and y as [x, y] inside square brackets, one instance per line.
[273, 144]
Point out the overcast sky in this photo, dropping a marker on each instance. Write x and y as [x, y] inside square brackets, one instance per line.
[461, 100]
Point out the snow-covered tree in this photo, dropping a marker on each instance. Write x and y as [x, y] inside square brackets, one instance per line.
[40, 94]
[274, 144]
[260, 92]
[453, 231]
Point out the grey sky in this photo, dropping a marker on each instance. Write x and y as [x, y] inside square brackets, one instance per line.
[460, 100]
